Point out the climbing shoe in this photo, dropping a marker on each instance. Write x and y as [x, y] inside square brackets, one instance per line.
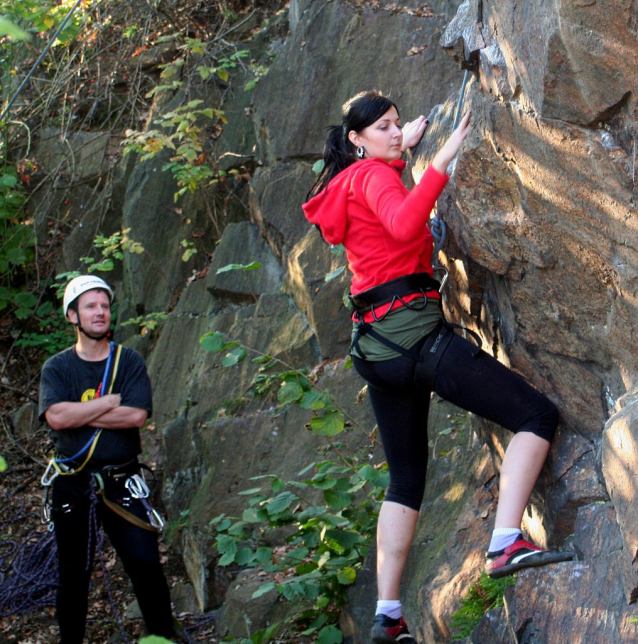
[521, 554]
[386, 630]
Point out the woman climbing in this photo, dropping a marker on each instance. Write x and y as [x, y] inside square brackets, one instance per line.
[403, 348]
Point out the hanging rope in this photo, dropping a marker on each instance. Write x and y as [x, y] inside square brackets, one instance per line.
[437, 225]
[40, 59]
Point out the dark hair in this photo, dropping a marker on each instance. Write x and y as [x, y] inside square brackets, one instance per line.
[339, 152]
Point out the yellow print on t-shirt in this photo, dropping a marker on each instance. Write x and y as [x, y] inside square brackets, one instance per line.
[89, 394]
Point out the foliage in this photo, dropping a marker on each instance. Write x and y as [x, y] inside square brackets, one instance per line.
[262, 636]
[149, 322]
[333, 514]
[330, 508]
[483, 595]
[17, 242]
[178, 130]
[3, 464]
[55, 333]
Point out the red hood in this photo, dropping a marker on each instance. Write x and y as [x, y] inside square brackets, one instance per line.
[328, 209]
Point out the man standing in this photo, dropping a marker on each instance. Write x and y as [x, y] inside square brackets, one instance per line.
[95, 396]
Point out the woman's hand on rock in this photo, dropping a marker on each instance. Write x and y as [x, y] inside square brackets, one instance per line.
[452, 145]
[413, 132]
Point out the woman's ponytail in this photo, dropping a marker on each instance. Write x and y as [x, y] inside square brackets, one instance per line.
[337, 156]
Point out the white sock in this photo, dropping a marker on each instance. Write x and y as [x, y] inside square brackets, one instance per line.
[503, 537]
[389, 607]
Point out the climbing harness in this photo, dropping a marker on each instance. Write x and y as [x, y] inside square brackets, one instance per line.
[428, 357]
[138, 489]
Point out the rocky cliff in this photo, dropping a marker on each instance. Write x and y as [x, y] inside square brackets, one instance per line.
[542, 257]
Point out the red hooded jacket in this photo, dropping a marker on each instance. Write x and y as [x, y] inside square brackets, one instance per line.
[382, 225]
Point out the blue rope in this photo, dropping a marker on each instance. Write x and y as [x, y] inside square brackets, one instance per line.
[439, 232]
[105, 380]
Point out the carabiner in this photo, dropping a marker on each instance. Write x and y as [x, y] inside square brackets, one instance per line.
[155, 519]
[137, 487]
[445, 276]
[48, 477]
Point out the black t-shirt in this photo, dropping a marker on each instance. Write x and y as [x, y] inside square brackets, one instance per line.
[68, 378]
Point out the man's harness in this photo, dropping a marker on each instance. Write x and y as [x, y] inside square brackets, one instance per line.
[426, 359]
[135, 483]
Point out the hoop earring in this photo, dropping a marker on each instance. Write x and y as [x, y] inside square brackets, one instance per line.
[361, 152]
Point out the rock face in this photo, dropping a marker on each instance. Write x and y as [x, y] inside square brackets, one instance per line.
[543, 265]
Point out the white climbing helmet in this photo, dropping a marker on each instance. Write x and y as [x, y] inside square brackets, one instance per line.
[80, 285]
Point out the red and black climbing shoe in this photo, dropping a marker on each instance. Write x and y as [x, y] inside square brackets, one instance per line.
[521, 554]
[386, 630]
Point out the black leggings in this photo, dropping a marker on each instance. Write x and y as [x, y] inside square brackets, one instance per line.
[481, 385]
[136, 547]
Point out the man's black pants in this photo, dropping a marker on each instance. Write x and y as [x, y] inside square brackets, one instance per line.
[137, 548]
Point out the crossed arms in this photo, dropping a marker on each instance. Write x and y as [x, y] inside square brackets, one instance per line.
[105, 412]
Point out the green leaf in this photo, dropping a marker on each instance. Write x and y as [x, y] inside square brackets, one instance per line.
[263, 555]
[348, 364]
[7, 28]
[223, 74]
[3, 464]
[378, 478]
[323, 483]
[334, 274]
[280, 503]
[212, 341]
[253, 490]
[347, 576]
[314, 400]
[318, 166]
[23, 314]
[264, 636]
[289, 392]
[239, 267]
[226, 559]
[154, 639]
[224, 525]
[25, 300]
[330, 635]
[226, 545]
[330, 424]
[237, 529]
[338, 500]
[305, 568]
[266, 588]
[251, 84]
[244, 556]
[342, 540]
[255, 515]
[105, 265]
[44, 310]
[234, 357]
[297, 555]
[318, 622]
